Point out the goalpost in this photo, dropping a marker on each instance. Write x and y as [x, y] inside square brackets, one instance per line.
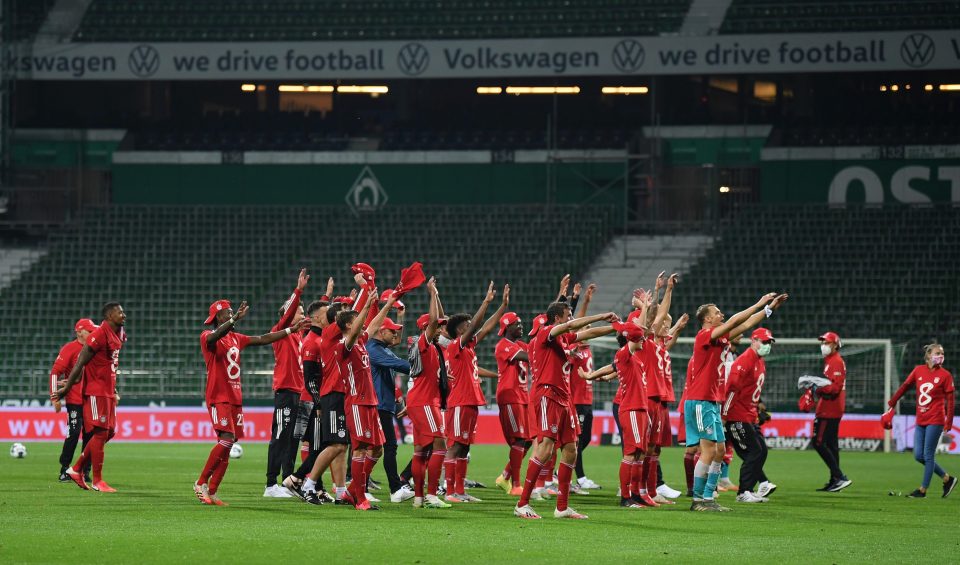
[870, 372]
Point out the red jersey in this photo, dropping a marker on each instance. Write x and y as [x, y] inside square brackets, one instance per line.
[934, 394]
[288, 370]
[648, 353]
[355, 372]
[744, 387]
[833, 398]
[512, 373]
[665, 364]
[633, 381]
[331, 381]
[223, 367]
[310, 352]
[706, 376]
[551, 368]
[581, 389]
[462, 367]
[100, 373]
[424, 388]
[62, 368]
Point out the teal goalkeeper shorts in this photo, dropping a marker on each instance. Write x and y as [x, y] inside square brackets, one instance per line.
[702, 421]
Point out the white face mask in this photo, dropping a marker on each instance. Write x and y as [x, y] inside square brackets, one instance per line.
[764, 350]
[443, 340]
[825, 349]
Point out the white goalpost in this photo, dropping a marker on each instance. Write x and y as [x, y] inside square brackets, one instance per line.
[870, 372]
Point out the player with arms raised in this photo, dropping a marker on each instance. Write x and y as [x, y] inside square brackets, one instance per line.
[221, 349]
[513, 372]
[705, 391]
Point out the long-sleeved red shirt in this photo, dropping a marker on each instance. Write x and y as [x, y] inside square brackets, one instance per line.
[833, 398]
[288, 370]
[935, 404]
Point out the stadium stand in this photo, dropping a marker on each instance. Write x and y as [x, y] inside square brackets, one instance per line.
[777, 16]
[864, 272]
[26, 17]
[885, 134]
[215, 20]
[167, 264]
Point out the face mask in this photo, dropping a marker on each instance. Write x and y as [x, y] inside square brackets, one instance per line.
[443, 340]
[764, 350]
[936, 359]
[825, 349]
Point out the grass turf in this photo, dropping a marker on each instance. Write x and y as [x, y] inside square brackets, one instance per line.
[155, 518]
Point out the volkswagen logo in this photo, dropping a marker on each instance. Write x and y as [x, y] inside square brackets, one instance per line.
[413, 59]
[628, 56]
[144, 61]
[917, 50]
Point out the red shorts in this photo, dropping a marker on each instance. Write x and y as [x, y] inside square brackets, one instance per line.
[99, 412]
[363, 423]
[461, 424]
[513, 422]
[656, 423]
[636, 430]
[666, 434]
[227, 418]
[555, 421]
[427, 424]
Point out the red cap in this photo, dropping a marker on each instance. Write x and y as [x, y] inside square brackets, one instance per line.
[538, 323]
[762, 334]
[389, 324]
[633, 316]
[343, 300]
[422, 321]
[366, 270]
[506, 320]
[85, 324]
[216, 307]
[385, 295]
[629, 330]
[831, 337]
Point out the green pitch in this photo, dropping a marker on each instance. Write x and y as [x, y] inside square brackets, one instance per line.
[155, 518]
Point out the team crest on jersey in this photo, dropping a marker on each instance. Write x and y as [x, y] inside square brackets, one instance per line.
[553, 429]
[223, 421]
[936, 380]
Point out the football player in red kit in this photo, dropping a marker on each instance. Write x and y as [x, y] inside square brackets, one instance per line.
[556, 420]
[221, 347]
[427, 374]
[360, 402]
[666, 339]
[100, 356]
[513, 372]
[829, 411]
[466, 396]
[935, 409]
[66, 359]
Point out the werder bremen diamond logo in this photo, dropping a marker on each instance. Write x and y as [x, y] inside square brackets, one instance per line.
[367, 193]
[628, 56]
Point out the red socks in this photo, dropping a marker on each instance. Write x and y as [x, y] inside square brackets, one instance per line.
[688, 465]
[563, 484]
[93, 452]
[626, 470]
[221, 469]
[220, 451]
[534, 466]
[304, 452]
[434, 466]
[516, 460]
[450, 474]
[417, 468]
[358, 486]
[636, 478]
[461, 475]
[651, 469]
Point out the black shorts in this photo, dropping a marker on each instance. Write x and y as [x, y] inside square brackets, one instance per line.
[314, 431]
[333, 419]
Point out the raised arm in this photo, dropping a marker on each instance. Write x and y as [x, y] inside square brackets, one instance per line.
[374, 326]
[664, 307]
[675, 331]
[757, 317]
[597, 374]
[577, 323]
[475, 321]
[353, 332]
[267, 339]
[594, 333]
[491, 322]
[432, 327]
[564, 284]
[289, 307]
[740, 317]
[587, 297]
